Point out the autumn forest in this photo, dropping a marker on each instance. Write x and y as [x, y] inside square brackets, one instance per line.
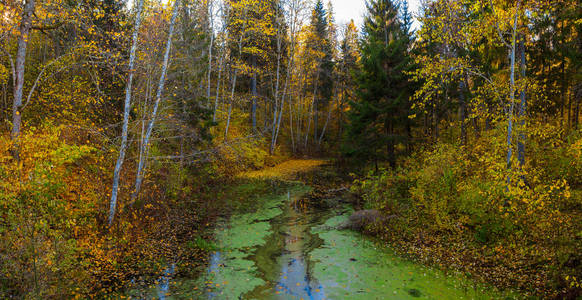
[262, 149]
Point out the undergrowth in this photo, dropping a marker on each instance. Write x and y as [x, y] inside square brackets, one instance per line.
[454, 208]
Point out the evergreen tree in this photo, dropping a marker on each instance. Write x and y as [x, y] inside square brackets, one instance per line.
[324, 72]
[379, 118]
[347, 65]
[332, 31]
[406, 19]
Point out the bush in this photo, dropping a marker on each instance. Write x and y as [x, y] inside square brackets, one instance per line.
[460, 196]
[45, 206]
[388, 191]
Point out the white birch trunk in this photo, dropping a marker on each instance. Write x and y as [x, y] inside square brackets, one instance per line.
[324, 126]
[127, 108]
[217, 88]
[511, 95]
[230, 106]
[18, 72]
[211, 29]
[276, 110]
[145, 146]
[240, 40]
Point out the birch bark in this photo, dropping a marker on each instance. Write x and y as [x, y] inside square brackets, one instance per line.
[146, 141]
[127, 108]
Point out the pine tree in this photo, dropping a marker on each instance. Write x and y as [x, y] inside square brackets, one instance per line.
[379, 118]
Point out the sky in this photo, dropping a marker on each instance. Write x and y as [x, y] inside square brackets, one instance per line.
[345, 10]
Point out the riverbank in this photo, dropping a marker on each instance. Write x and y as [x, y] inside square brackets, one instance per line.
[450, 209]
[186, 232]
[273, 247]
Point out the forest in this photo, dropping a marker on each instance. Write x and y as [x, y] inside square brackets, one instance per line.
[260, 149]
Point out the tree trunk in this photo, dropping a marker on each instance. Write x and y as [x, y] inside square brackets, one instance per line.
[143, 119]
[578, 94]
[511, 94]
[462, 112]
[277, 109]
[324, 126]
[315, 118]
[435, 120]
[300, 112]
[310, 116]
[217, 89]
[266, 113]
[339, 103]
[312, 112]
[279, 114]
[146, 142]
[235, 71]
[127, 108]
[291, 134]
[563, 81]
[230, 105]
[211, 31]
[25, 26]
[254, 93]
[474, 119]
[522, 107]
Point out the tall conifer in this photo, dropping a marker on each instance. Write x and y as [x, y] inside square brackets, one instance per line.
[379, 117]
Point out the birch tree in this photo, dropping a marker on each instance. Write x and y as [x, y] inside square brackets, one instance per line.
[126, 110]
[223, 53]
[294, 9]
[210, 9]
[238, 22]
[146, 141]
[512, 90]
[503, 22]
[23, 38]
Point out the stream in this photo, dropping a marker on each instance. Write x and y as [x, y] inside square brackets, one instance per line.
[281, 252]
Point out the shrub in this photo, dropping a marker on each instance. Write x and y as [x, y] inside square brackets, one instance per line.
[45, 206]
[521, 216]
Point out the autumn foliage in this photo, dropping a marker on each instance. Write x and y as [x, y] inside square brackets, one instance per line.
[454, 208]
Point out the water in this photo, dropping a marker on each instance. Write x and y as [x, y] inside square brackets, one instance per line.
[280, 252]
[163, 284]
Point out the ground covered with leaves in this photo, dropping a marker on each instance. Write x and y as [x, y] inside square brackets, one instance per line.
[54, 238]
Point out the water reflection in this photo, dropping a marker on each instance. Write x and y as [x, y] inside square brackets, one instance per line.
[216, 262]
[278, 252]
[163, 284]
[296, 279]
[281, 262]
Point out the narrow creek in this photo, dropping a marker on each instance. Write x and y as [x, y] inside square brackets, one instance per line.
[281, 252]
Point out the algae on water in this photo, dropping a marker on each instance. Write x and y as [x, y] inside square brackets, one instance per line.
[279, 252]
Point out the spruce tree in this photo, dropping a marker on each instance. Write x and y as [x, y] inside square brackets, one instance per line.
[347, 65]
[322, 45]
[379, 116]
